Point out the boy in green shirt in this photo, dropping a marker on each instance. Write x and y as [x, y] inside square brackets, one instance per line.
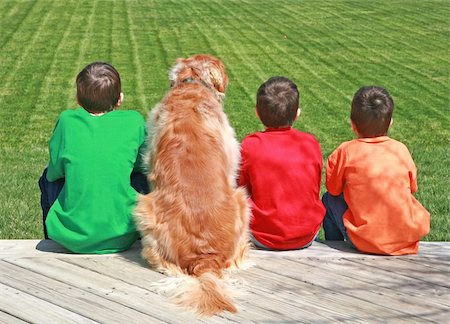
[88, 191]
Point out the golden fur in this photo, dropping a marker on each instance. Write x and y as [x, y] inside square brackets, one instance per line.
[195, 220]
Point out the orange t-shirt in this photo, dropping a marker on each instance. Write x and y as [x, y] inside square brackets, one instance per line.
[378, 178]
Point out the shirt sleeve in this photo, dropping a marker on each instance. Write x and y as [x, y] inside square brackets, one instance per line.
[140, 165]
[335, 173]
[55, 168]
[413, 177]
[243, 177]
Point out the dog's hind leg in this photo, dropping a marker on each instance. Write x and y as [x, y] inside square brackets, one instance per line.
[241, 228]
[145, 219]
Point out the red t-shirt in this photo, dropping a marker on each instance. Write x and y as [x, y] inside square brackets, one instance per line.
[281, 169]
[378, 178]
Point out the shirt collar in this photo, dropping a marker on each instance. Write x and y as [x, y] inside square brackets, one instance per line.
[278, 129]
[377, 139]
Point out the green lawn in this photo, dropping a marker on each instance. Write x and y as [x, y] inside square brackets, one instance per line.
[329, 48]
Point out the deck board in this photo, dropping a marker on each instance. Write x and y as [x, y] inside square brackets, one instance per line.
[40, 282]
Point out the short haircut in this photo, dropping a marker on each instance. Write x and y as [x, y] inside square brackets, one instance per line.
[372, 111]
[98, 87]
[277, 102]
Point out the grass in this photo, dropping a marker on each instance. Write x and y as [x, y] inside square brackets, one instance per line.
[329, 49]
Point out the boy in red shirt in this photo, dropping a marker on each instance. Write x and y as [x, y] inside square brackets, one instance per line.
[281, 170]
[370, 183]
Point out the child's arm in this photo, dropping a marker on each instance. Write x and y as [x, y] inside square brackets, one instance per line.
[55, 168]
[413, 177]
[335, 173]
[243, 179]
[140, 165]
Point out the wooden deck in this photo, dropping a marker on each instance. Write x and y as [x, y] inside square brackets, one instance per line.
[40, 283]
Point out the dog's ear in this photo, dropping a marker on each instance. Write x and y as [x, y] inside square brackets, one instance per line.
[174, 72]
[182, 70]
[211, 71]
[218, 75]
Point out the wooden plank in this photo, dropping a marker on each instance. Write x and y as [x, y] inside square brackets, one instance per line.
[23, 306]
[261, 304]
[384, 280]
[332, 305]
[416, 271]
[312, 273]
[339, 249]
[327, 249]
[145, 301]
[65, 296]
[442, 264]
[8, 318]
[316, 284]
[142, 277]
[49, 248]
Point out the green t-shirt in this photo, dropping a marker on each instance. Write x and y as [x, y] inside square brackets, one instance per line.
[95, 155]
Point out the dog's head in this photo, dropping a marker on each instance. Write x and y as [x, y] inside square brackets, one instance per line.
[202, 68]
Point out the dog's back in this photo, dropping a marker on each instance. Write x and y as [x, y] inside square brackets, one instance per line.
[195, 220]
[193, 196]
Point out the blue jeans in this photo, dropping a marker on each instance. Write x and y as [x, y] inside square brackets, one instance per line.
[50, 191]
[261, 246]
[333, 223]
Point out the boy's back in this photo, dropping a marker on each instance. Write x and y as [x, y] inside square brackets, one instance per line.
[95, 155]
[371, 181]
[378, 176]
[281, 169]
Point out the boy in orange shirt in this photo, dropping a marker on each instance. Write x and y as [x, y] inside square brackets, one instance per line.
[371, 181]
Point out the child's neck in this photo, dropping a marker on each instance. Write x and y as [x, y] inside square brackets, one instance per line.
[279, 127]
[97, 114]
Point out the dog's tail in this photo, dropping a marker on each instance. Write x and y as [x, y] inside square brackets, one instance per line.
[206, 294]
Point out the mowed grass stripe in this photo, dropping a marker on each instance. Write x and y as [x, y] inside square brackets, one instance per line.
[226, 40]
[273, 63]
[398, 25]
[308, 78]
[297, 54]
[242, 34]
[397, 67]
[33, 73]
[313, 45]
[391, 64]
[233, 31]
[392, 35]
[82, 33]
[13, 14]
[273, 49]
[294, 57]
[197, 39]
[243, 69]
[100, 38]
[57, 87]
[212, 44]
[151, 54]
[23, 42]
[421, 13]
[137, 63]
[171, 34]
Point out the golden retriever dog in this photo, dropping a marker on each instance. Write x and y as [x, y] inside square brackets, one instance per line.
[194, 224]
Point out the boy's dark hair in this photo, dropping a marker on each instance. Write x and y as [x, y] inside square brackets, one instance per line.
[372, 111]
[98, 87]
[277, 102]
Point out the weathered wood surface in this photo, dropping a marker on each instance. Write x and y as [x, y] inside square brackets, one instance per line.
[326, 283]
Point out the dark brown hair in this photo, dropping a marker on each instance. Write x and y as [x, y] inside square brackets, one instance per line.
[277, 102]
[98, 87]
[372, 111]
